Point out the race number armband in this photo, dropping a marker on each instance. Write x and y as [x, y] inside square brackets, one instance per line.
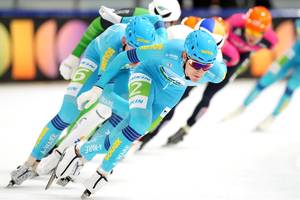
[82, 73]
[132, 56]
[139, 90]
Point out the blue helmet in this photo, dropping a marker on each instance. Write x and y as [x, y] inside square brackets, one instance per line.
[201, 46]
[216, 26]
[140, 32]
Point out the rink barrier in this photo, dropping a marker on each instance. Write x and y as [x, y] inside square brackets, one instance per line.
[33, 43]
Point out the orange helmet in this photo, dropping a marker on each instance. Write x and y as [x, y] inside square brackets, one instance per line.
[190, 21]
[223, 23]
[258, 19]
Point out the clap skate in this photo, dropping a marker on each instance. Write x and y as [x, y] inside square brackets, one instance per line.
[93, 184]
[234, 114]
[48, 164]
[68, 166]
[85, 194]
[22, 173]
[178, 136]
[265, 124]
[64, 181]
[53, 174]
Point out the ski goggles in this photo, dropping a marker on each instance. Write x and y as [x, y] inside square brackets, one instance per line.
[197, 65]
[253, 33]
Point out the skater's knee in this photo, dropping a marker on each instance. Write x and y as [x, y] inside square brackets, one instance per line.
[67, 116]
[60, 123]
[267, 80]
[140, 120]
[115, 119]
[288, 92]
[140, 124]
[205, 101]
[132, 134]
[209, 93]
[68, 111]
[261, 86]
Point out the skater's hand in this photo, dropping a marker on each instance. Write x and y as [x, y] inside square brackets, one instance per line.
[87, 99]
[68, 66]
[109, 15]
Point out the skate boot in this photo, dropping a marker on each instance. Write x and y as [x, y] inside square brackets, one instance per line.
[64, 181]
[178, 136]
[234, 114]
[69, 164]
[144, 140]
[48, 164]
[21, 174]
[94, 183]
[265, 124]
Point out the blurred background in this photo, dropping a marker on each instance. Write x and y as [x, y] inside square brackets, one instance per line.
[36, 35]
[25, 54]
[186, 4]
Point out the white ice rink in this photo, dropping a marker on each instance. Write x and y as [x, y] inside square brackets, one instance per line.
[217, 161]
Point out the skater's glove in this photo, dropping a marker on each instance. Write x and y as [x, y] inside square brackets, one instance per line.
[68, 66]
[87, 99]
[109, 15]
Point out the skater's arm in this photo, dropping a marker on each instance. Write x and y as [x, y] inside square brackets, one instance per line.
[215, 74]
[130, 57]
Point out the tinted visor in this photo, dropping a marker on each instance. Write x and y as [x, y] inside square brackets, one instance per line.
[197, 65]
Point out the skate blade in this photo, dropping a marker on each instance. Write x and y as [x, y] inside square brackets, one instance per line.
[168, 144]
[62, 182]
[51, 179]
[172, 143]
[259, 129]
[10, 184]
[85, 194]
[232, 115]
[53, 175]
[228, 118]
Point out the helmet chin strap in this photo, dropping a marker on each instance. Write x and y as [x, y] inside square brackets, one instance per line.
[184, 66]
[123, 47]
[123, 43]
[163, 16]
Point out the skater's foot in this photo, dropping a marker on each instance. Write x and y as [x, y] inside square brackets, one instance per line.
[178, 136]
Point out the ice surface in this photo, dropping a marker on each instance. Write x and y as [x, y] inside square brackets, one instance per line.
[217, 161]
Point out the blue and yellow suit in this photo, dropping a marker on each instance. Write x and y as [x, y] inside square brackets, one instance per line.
[154, 87]
[99, 53]
[288, 63]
